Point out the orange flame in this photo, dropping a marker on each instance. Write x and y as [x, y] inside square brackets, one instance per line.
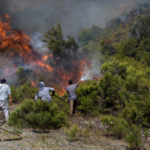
[45, 57]
[16, 43]
[32, 83]
[43, 65]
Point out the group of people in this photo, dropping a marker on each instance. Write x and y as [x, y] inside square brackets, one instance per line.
[43, 94]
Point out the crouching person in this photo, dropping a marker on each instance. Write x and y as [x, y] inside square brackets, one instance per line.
[5, 94]
[43, 92]
[72, 97]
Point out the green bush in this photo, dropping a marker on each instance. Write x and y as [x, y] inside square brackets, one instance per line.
[134, 137]
[72, 132]
[40, 114]
[24, 91]
[87, 97]
[116, 126]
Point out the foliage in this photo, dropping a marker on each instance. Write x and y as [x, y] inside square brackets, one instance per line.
[56, 42]
[72, 132]
[120, 129]
[117, 126]
[40, 114]
[126, 89]
[88, 35]
[87, 97]
[22, 92]
[133, 137]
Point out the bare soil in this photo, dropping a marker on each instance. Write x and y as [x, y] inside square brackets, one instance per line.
[58, 140]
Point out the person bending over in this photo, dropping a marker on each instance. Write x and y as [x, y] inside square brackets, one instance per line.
[5, 93]
[72, 97]
[43, 92]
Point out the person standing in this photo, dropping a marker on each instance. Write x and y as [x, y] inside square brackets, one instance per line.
[5, 94]
[43, 92]
[72, 97]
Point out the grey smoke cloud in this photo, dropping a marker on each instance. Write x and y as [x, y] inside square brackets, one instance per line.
[74, 15]
[37, 16]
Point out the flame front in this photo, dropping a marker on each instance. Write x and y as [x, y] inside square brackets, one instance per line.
[15, 50]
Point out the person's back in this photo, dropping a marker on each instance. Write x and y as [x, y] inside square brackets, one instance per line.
[71, 92]
[43, 92]
[72, 97]
[4, 92]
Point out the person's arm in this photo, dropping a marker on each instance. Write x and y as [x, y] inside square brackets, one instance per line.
[36, 96]
[78, 83]
[10, 99]
[53, 91]
[9, 93]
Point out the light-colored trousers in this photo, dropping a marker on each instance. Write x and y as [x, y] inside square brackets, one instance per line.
[71, 107]
[5, 106]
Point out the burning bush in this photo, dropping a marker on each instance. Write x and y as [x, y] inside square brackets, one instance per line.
[40, 114]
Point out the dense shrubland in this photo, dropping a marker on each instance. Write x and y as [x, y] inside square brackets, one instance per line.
[124, 89]
[122, 95]
[23, 91]
[40, 114]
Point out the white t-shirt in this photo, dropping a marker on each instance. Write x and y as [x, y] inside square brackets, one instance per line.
[4, 92]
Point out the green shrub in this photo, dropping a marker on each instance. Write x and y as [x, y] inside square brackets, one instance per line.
[40, 114]
[116, 126]
[72, 132]
[23, 91]
[134, 137]
[87, 97]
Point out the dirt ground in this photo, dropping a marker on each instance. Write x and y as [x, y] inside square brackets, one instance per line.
[58, 140]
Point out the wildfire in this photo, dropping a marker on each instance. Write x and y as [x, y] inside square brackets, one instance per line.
[15, 45]
[39, 63]
[45, 57]
[13, 40]
[32, 83]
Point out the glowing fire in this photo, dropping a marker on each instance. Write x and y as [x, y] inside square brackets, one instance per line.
[45, 57]
[40, 63]
[15, 45]
[32, 83]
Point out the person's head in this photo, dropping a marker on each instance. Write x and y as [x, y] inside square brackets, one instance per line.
[69, 82]
[3, 80]
[41, 84]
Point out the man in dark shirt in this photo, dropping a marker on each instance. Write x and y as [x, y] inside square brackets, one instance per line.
[72, 97]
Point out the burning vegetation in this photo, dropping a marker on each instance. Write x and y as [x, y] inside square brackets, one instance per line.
[62, 62]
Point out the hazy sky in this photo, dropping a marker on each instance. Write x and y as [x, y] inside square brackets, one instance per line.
[74, 15]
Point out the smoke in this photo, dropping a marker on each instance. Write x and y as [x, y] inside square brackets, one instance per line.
[36, 17]
[92, 71]
[74, 15]
[37, 43]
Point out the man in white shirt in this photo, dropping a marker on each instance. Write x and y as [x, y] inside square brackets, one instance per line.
[5, 94]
